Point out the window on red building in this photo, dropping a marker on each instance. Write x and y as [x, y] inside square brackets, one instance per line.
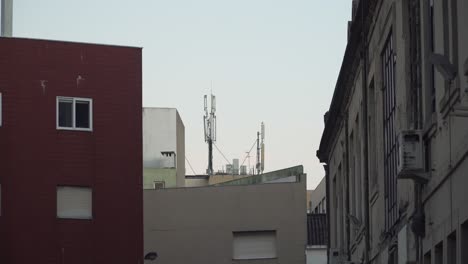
[74, 113]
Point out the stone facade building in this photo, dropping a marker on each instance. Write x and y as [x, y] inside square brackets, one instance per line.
[395, 142]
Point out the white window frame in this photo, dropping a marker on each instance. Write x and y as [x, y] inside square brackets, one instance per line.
[74, 99]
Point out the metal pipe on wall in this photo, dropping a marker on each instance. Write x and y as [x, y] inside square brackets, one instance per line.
[327, 195]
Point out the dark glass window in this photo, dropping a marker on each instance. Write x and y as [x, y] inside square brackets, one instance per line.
[65, 114]
[390, 135]
[74, 113]
[432, 48]
[82, 114]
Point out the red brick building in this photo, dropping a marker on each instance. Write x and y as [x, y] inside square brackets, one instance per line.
[70, 153]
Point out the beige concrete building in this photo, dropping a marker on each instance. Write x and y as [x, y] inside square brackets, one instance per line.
[163, 148]
[309, 201]
[396, 135]
[318, 200]
[253, 220]
[316, 250]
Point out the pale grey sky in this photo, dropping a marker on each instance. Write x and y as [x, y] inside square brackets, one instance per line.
[269, 60]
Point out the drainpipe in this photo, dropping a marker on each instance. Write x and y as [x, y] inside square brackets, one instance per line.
[364, 51]
[327, 193]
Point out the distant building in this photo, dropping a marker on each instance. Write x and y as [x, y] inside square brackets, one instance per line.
[163, 148]
[318, 200]
[235, 166]
[229, 169]
[243, 170]
[309, 201]
[256, 219]
[70, 153]
[205, 180]
[317, 239]
[196, 180]
[317, 232]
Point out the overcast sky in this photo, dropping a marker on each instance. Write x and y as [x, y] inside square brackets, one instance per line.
[269, 60]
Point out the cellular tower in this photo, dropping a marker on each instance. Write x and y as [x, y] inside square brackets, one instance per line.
[209, 120]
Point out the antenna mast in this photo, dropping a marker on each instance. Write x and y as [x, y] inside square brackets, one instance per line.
[258, 153]
[209, 120]
[262, 146]
[260, 166]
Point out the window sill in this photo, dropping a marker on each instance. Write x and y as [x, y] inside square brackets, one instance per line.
[75, 129]
[75, 218]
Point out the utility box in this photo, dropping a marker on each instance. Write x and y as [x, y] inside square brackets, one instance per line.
[411, 152]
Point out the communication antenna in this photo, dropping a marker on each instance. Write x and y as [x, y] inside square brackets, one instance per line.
[260, 150]
[209, 120]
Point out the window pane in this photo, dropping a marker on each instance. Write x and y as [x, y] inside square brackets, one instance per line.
[82, 114]
[65, 113]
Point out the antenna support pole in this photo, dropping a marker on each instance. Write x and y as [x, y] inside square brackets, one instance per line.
[258, 153]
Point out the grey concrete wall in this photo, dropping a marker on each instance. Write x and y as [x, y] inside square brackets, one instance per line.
[196, 225]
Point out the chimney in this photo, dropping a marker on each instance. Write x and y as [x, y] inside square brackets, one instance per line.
[7, 18]
[326, 116]
[354, 10]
